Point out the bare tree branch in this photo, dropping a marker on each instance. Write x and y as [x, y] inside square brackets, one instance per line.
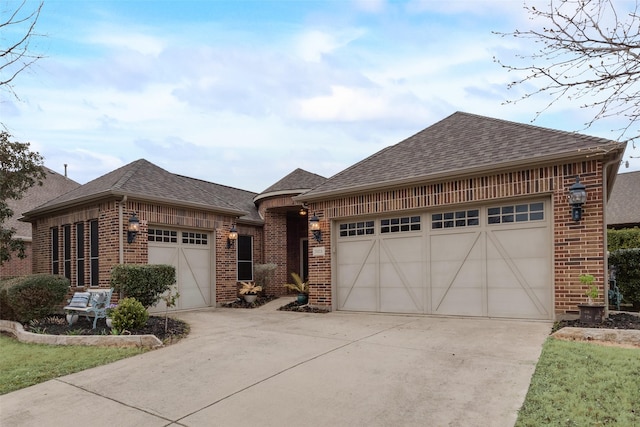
[589, 52]
[17, 56]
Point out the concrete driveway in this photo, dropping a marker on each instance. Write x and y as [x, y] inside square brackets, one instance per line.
[264, 367]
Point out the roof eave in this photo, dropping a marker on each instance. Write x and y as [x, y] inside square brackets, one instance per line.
[27, 216]
[280, 193]
[579, 154]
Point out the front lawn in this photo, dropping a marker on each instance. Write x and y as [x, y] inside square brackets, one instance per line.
[24, 365]
[583, 384]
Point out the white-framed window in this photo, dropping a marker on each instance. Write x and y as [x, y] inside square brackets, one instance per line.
[194, 238]
[164, 236]
[360, 228]
[455, 219]
[400, 224]
[245, 257]
[523, 212]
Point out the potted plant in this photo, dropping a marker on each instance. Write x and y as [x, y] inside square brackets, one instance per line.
[590, 312]
[301, 287]
[250, 291]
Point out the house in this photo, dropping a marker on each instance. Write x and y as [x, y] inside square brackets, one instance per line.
[469, 217]
[623, 209]
[52, 186]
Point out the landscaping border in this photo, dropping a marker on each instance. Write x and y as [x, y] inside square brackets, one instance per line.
[623, 337]
[16, 329]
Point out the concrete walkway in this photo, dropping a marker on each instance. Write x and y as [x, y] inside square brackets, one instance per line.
[264, 367]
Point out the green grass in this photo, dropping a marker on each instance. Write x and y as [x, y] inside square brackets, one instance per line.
[23, 365]
[582, 384]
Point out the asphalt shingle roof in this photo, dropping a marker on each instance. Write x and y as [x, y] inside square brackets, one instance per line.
[457, 143]
[624, 204]
[297, 180]
[143, 179]
[52, 186]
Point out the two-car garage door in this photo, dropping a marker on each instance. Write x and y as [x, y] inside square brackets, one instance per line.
[492, 261]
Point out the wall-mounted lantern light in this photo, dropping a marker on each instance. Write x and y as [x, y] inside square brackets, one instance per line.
[232, 237]
[314, 226]
[303, 211]
[577, 197]
[134, 227]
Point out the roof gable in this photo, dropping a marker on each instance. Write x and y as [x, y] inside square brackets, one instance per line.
[297, 182]
[461, 142]
[144, 180]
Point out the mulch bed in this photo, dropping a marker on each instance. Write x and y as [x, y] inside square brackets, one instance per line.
[304, 308]
[241, 303]
[615, 321]
[57, 325]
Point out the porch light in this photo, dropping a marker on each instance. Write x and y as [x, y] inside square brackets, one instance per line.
[314, 226]
[302, 212]
[232, 237]
[577, 197]
[134, 227]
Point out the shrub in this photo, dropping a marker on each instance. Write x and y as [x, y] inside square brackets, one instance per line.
[37, 296]
[627, 263]
[145, 283]
[129, 315]
[6, 312]
[623, 239]
[263, 274]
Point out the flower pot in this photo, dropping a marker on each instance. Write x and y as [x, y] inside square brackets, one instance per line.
[250, 298]
[303, 299]
[109, 322]
[591, 313]
[72, 318]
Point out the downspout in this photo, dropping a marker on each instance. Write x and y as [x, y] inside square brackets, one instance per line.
[120, 225]
[605, 240]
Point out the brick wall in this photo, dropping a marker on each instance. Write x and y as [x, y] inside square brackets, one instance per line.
[16, 266]
[578, 247]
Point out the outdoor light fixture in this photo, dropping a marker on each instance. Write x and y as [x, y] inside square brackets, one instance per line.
[577, 197]
[314, 226]
[302, 212]
[134, 227]
[233, 236]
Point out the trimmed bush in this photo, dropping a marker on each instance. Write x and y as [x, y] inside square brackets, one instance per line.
[145, 283]
[6, 312]
[37, 296]
[627, 263]
[129, 315]
[623, 239]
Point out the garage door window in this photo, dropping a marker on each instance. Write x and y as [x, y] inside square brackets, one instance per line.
[164, 236]
[455, 219]
[190, 238]
[515, 213]
[356, 229]
[396, 225]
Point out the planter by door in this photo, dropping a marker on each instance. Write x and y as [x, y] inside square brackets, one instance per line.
[72, 318]
[109, 322]
[303, 299]
[591, 313]
[250, 298]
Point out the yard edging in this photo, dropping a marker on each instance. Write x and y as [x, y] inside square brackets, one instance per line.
[16, 329]
[627, 337]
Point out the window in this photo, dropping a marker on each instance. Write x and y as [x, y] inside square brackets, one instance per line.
[395, 225]
[80, 254]
[515, 213]
[467, 218]
[55, 251]
[66, 242]
[191, 238]
[356, 228]
[165, 236]
[94, 273]
[245, 257]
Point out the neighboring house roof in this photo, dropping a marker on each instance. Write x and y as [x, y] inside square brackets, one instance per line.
[623, 207]
[52, 186]
[143, 180]
[459, 144]
[297, 182]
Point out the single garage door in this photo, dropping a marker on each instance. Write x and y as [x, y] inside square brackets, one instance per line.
[190, 253]
[490, 261]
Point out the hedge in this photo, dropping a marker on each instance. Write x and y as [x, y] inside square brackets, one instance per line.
[144, 282]
[628, 238]
[627, 264]
[34, 297]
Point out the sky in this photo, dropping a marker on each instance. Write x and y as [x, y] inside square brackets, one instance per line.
[241, 93]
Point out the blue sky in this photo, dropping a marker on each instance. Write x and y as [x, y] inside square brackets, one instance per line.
[243, 92]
